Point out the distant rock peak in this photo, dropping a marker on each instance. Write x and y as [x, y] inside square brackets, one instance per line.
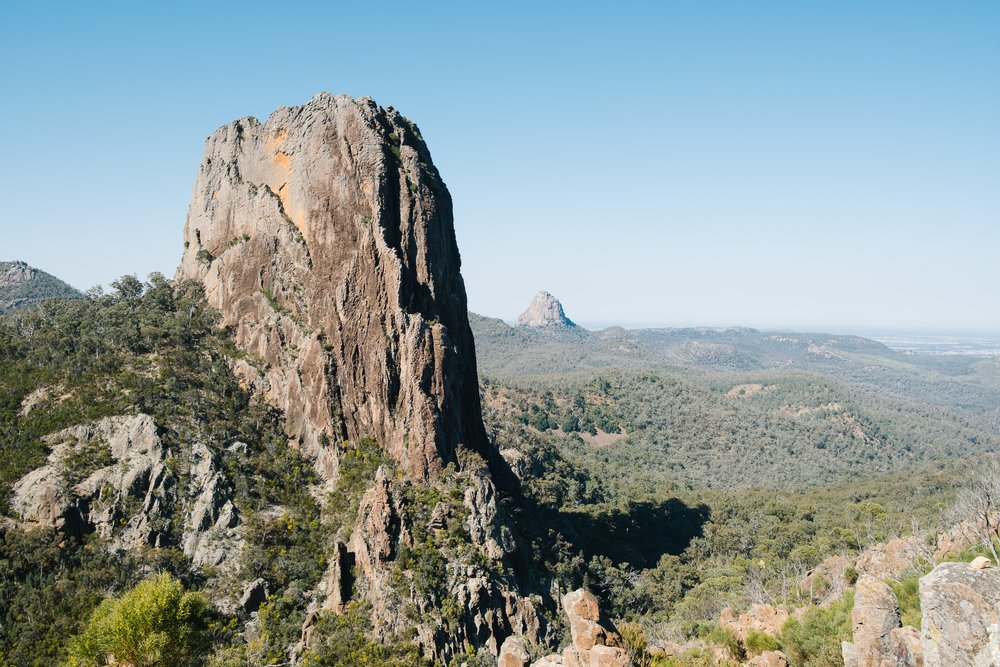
[23, 285]
[544, 311]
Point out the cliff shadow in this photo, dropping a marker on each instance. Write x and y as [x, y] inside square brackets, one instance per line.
[637, 533]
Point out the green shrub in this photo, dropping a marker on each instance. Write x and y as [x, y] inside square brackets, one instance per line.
[156, 624]
[758, 642]
[815, 640]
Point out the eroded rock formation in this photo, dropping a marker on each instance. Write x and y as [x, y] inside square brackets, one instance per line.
[544, 311]
[324, 237]
[114, 477]
[961, 616]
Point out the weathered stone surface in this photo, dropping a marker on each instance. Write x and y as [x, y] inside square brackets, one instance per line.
[890, 560]
[827, 582]
[906, 650]
[961, 616]
[324, 237]
[956, 539]
[874, 617]
[980, 563]
[587, 628]
[544, 311]
[254, 595]
[849, 652]
[769, 659]
[595, 640]
[129, 495]
[554, 660]
[759, 618]
[513, 653]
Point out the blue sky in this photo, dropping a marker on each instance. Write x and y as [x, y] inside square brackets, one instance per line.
[809, 164]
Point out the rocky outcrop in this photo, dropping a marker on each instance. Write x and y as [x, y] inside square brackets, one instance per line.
[513, 653]
[595, 640]
[324, 237]
[961, 616]
[22, 285]
[827, 582]
[759, 618]
[878, 638]
[545, 311]
[892, 559]
[115, 478]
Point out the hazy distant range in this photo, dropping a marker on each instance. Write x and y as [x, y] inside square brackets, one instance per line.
[982, 344]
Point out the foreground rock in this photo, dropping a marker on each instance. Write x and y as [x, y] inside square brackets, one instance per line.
[545, 311]
[760, 618]
[595, 640]
[961, 616]
[878, 638]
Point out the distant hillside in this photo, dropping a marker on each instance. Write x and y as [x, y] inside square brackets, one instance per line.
[22, 285]
[969, 385]
[735, 407]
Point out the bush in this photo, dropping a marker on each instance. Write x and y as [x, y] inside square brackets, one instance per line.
[155, 624]
[815, 640]
[758, 642]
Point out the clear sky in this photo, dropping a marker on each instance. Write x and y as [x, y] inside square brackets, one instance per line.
[807, 164]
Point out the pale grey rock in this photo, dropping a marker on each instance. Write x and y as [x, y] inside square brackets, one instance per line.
[849, 652]
[253, 596]
[544, 311]
[212, 532]
[133, 499]
[961, 616]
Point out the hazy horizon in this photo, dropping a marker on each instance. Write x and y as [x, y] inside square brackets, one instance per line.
[830, 167]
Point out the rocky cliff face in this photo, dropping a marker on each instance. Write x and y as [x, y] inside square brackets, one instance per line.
[324, 236]
[544, 311]
[325, 239]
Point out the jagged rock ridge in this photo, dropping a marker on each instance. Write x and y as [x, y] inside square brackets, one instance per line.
[22, 285]
[544, 311]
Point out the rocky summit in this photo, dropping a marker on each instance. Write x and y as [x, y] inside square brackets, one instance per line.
[545, 311]
[324, 236]
[22, 285]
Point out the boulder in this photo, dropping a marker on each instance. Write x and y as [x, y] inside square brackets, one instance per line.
[513, 653]
[980, 563]
[874, 617]
[961, 616]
